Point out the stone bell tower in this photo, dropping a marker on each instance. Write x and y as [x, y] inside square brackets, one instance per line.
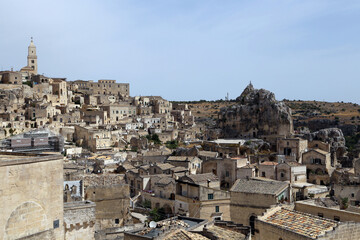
[32, 58]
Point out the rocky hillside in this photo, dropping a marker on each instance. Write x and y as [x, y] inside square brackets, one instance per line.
[308, 116]
[255, 113]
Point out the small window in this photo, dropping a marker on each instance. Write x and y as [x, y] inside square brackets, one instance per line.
[337, 218]
[320, 214]
[56, 224]
[282, 175]
[117, 221]
[227, 173]
[352, 195]
[263, 174]
[317, 161]
[217, 209]
[210, 196]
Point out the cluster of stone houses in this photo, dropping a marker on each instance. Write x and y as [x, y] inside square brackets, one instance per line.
[102, 110]
[119, 171]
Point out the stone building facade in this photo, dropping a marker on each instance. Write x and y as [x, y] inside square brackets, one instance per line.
[112, 204]
[280, 223]
[79, 220]
[10, 77]
[103, 87]
[31, 193]
[318, 166]
[251, 197]
[292, 148]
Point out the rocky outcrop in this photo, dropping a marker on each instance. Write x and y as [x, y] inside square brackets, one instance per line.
[12, 95]
[256, 114]
[333, 136]
[186, 152]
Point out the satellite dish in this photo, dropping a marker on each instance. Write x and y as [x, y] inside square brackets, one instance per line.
[153, 224]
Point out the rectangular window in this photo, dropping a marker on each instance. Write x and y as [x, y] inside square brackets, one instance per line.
[117, 221]
[210, 196]
[217, 209]
[320, 214]
[337, 218]
[56, 223]
[227, 173]
[263, 174]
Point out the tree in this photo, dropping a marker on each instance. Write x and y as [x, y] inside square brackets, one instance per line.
[29, 83]
[157, 214]
[344, 202]
[11, 131]
[146, 204]
[156, 139]
[172, 144]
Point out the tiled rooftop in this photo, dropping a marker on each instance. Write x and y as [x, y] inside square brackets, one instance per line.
[268, 163]
[319, 151]
[178, 158]
[181, 234]
[203, 177]
[165, 181]
[259, 186]
[208, 154]
[300, 223]
[225, 234]
[165, 166]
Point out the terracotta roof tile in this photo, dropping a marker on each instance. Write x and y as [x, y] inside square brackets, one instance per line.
[301, 223]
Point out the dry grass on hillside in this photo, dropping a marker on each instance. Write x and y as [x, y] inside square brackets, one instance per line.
[348, 113]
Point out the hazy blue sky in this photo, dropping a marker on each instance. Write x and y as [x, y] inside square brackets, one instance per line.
[191, 50]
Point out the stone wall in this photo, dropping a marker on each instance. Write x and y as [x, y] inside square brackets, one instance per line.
[265, 231]
[329, 213]
[79, 220]
[345, 231]
[31, 193]
[112, 204]
[245, 205]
